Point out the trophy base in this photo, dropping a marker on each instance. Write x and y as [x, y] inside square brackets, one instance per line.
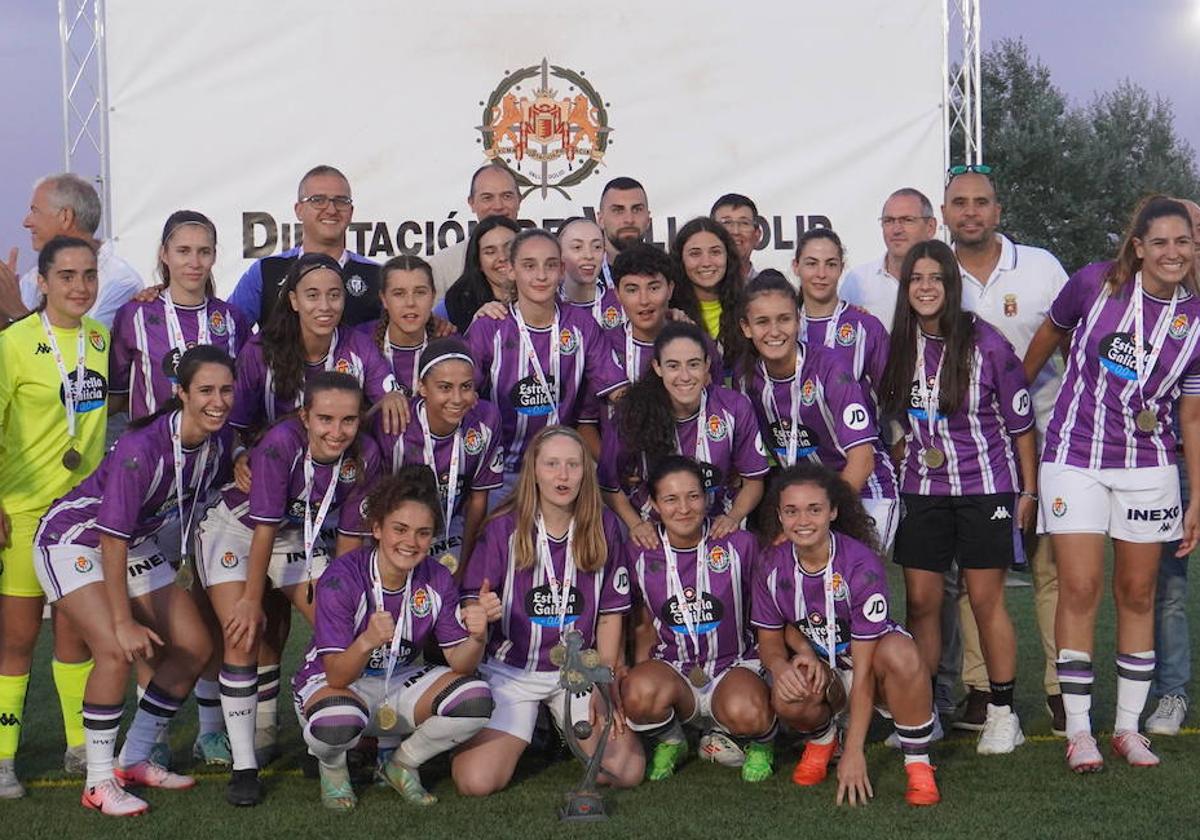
[582, 806]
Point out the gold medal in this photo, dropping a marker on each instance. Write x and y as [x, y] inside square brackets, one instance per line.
[558, 654]
[449, 561]
[698, 677]
[1147, 420]
[387, 716]
[933, 457]
[71, 459]
[184, 575]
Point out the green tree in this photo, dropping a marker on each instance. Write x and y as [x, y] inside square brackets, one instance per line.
[1068, 176]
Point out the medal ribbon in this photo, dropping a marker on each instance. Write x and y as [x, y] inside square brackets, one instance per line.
[403, 624]
[312, 528]
[794, 387]
[70, 394]
[430, 459]
[702, 453]
[562, 596]
[175, 332]
[827, 585]
[389, 350]
[1144, 363]
[830, 325]
[185, 523]
[535, 363]
[930, 394]
[675, 587]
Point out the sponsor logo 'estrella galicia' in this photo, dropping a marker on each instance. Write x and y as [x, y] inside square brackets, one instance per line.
[703, 609]
[916, 403]
[91, 395]
[542, 609]
[807, 439]
[528, 397]
[1118, 355]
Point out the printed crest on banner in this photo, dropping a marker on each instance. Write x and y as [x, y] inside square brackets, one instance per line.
[548, 141]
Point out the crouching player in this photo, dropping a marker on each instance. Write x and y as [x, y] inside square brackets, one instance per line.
[825, 580]
[375, 610]
[696, 661]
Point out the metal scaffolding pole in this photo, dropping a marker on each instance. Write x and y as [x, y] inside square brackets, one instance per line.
[85, 97]
[962, 111]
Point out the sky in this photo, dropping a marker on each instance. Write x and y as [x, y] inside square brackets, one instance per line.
[1089, 46]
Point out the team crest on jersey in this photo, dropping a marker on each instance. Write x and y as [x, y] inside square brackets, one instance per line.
[83, 565]
[838, 584]
[1059, 508]
[716, 427]
[348, 474]
[808, 392]
[473, 441]
[612, 317]
[1179, 326]
[846, 334]
[216, 323]
[356, 286]
[420, 603]
[229, 560]
[567, 342]
[718, 559]
[343, 366]
[97, 341]
[1010, 306]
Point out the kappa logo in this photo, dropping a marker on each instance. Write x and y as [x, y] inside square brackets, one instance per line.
[1179, 326]
[420, 603]
[716, 427]
[718, 559]
[539, 136]
[1001, 512]
[42, 349]
[356, 286]
[1059, 508]
[567, 342]
[9, 719]
[847, 334]
[1010, 306]
[473, 441]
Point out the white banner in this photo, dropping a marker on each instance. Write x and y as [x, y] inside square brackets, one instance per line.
[816, 111]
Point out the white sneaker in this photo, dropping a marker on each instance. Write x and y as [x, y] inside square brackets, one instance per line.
[111, 799]
[721, 749]
[10, 785]
[1001, 732]
[1168, 717]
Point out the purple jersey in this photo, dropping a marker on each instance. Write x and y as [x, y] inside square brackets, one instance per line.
[605, 309]
[728, 449]
[857, 342]
[256, 403]
[143, 359]
[716, 594]
[345, 599]
[131, 495]
[835, 415]
[481, 460]
[634, 357]
[277, 487]
[529, 628]
[784, 593]
[976, 441]
[403, 360]
[506, 376]
[1093, 424]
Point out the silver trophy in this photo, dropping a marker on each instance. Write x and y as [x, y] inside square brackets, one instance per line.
[579, 672]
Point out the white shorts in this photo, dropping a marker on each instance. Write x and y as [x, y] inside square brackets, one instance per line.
[224, 552]
[886, 513]
[405, 690]
[702, 697]
[517, 693]
[61, 569]
[1140, 505]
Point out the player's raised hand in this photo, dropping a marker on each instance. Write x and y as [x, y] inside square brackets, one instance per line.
[475, 620]
[490, 601]
[380, 629]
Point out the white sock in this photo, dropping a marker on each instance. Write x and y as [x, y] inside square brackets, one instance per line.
[268, 694]
[433, 737]
[239, 699]
[100, 726]
[1075, 676]
[150, 722]
[333, 726]
[208, 706]
[1135, 671]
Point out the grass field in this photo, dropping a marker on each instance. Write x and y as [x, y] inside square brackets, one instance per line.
[1027, 794]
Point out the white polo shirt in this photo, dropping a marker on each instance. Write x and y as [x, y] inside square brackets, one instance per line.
[1016, 300]
[871, 286]
[118, 284]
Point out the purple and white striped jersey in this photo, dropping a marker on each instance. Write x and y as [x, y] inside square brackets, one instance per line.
[528, 629]
[629, 352]
[255, 402]
[728, 449]
[1093, 424]
[859, 344]
[836, 414]
[131, 495]
[716, 594]
[505, 376]
[403, 360]
[977, 439]
[605, 310]
[345, 600]
[277, 488]
[784, 593]
[143, 358]
[481, 464]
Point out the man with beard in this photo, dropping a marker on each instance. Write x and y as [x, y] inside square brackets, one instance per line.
[624, 216]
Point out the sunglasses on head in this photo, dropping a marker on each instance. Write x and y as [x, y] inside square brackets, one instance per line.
[963, 168]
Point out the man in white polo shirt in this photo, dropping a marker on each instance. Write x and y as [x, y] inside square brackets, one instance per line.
[493, 192]
[907, 219]
[1010, 286]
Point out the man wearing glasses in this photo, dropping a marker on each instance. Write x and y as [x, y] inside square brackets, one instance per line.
[1011, 287]
[325, 208]
[739, 215]
[907, 219]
